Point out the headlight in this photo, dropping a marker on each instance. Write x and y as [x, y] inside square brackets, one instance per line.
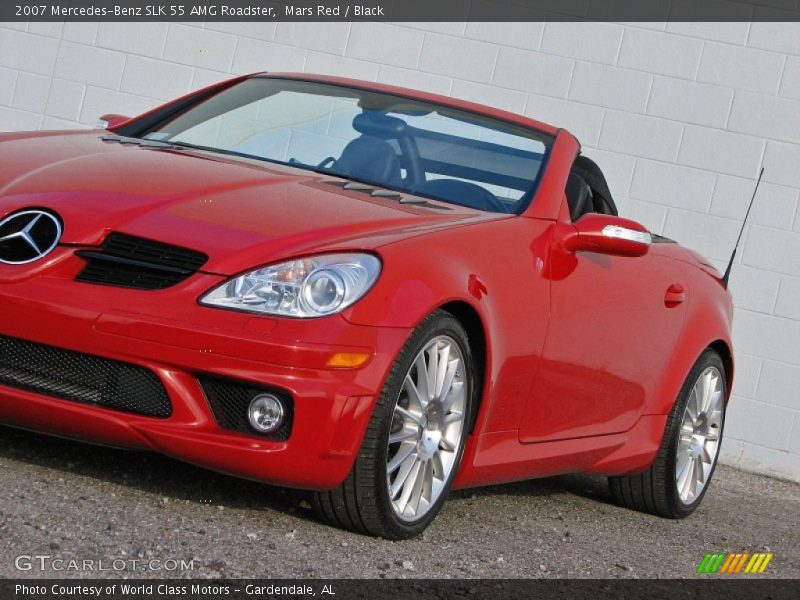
[307, 287]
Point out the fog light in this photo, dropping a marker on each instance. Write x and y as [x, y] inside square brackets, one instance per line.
[265, 413]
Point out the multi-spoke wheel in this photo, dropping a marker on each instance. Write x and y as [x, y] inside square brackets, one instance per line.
[676, 483]
[426, 429]
[700, 433]
[413, 445]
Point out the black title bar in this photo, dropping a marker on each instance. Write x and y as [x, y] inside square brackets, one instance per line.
[399, 10]
[402, 589]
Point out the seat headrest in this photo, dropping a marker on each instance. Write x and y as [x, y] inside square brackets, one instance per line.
[379, 125]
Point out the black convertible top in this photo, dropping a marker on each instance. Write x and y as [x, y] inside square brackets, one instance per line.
[593, 176]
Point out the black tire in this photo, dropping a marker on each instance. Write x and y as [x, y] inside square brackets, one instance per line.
[361, 504]
[655, 491]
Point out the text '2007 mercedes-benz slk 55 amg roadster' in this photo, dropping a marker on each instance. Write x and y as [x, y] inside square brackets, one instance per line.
[374, 294]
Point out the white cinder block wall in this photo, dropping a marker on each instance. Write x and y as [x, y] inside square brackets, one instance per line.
[679, 115]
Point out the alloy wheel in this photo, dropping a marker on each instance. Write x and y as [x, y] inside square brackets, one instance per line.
[700, 434]
[427, 429]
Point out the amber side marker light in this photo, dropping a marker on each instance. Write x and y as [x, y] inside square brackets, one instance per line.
[347, 360]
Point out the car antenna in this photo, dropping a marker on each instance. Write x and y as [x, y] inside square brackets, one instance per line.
[739, 239]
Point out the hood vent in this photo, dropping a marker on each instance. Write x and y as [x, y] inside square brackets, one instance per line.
[386, 194]
[131, 262]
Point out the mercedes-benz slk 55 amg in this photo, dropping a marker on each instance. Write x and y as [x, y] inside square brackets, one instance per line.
[371, 293]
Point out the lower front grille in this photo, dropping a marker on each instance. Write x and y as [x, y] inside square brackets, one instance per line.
[230, 400]
[83, 378]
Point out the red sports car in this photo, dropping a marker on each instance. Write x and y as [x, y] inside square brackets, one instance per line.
[372, 293]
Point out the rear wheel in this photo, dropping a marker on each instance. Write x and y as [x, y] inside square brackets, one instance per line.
[679, 478]
[415, 439]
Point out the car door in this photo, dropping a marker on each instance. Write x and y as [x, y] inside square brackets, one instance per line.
[613, 326]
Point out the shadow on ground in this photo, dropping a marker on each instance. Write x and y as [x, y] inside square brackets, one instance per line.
[164, 476]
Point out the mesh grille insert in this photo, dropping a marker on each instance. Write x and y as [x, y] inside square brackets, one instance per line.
[230, 400]
[83, 378]
[127, 261]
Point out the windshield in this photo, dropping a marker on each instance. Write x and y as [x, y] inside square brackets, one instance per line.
[383, 140]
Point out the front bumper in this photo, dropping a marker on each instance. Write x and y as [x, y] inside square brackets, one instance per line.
[179, 341]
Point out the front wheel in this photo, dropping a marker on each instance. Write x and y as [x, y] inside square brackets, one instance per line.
[415, 439]
[676, 483]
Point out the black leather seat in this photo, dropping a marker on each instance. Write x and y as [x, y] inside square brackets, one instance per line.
[370, 159]
[579, 197]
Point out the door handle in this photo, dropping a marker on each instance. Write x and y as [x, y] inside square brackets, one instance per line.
[675, 295]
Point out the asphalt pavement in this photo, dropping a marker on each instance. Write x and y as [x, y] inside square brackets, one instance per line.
[75, 510]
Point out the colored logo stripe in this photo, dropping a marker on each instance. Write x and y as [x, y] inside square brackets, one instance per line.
[711, 562]
[723, 562]
[758, 564]
[735, 562]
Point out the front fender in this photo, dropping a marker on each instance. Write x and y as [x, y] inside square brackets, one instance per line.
[498, 269]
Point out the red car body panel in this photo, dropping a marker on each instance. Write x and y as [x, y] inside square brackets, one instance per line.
[584, 353]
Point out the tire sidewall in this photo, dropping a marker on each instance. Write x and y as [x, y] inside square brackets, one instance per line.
[708, 359]
[438, 324]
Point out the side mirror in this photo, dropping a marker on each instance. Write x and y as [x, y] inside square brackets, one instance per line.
[111, 121]
[606, 234]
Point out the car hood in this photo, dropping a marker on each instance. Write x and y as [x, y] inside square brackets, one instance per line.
[241, 212]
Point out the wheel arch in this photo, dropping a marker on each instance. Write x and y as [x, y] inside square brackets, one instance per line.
[707, 325]
[725, 352]
[471, 320]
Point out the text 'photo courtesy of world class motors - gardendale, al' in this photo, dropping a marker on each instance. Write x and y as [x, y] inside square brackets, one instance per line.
[467, 298]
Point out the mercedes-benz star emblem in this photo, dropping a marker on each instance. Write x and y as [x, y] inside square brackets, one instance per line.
[28, 235]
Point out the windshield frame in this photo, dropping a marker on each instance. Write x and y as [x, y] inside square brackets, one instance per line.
[155, 120]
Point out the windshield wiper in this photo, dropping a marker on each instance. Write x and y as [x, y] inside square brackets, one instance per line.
[189, 146]
[122, 139]
[351, 183]
[144, 143]
[155, 144]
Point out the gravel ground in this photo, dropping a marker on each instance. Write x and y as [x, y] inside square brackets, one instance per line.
[73, 501]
